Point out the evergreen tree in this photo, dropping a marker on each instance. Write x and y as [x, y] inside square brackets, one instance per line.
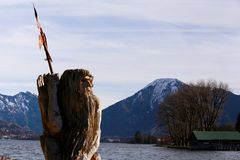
[237, 126]
[138, 137]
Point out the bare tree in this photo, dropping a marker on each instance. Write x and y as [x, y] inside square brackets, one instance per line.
[193, 107]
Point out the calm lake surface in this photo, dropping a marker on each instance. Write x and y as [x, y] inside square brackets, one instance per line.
[30, 150]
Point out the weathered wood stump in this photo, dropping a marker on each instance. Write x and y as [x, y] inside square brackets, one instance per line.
[70, 115]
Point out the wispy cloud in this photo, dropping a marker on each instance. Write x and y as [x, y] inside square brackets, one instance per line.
[125, 44]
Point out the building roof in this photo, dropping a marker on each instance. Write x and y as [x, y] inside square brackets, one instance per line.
[217, 135]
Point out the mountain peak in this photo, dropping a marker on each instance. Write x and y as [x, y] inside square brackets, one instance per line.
[137, 112]
[27, 93]
[163, 81]
[161, 88]
[21, 109]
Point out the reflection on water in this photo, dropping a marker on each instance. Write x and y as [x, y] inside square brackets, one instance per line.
[30, 150]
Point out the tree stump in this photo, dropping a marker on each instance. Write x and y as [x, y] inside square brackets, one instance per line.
[70, 115]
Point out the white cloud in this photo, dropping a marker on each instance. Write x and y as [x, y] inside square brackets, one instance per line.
[124, 43]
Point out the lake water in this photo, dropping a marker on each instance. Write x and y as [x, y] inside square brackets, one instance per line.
[30, 150]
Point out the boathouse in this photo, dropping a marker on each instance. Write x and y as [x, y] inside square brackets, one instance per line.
[215, 140]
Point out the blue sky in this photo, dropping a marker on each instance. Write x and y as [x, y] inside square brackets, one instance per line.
[126, 44]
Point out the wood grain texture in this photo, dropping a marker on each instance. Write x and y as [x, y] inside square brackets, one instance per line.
[71, 116]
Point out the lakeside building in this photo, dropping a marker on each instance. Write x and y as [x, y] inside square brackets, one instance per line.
[215, 140]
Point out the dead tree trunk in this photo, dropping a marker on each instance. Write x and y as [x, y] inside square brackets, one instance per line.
[51, 118]
[70, 115]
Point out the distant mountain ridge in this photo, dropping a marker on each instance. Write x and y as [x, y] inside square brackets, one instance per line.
[138, 112]
[122, 119]
[21, 109]
[14, 131]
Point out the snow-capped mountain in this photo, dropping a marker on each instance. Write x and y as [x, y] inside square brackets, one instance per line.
[137, 112]
[123, 119]
[161, 88]
[21, 109]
